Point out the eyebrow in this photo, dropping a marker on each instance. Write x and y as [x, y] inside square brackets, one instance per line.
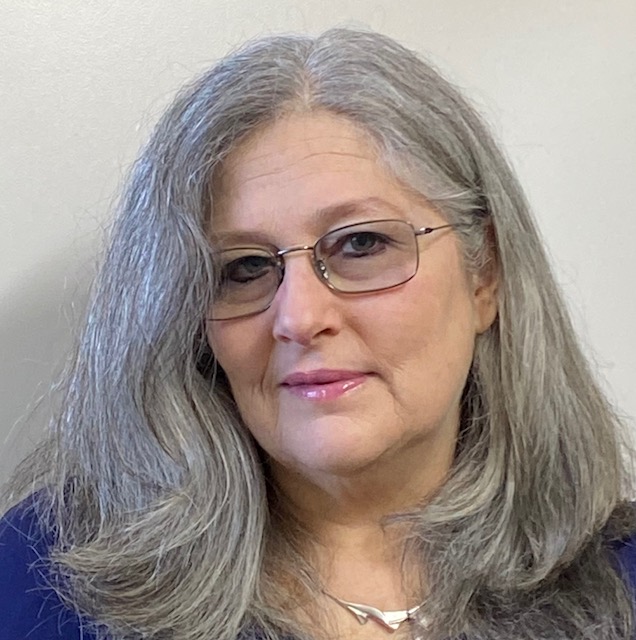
[323, 218]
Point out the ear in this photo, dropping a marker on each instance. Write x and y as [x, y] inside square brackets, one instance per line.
[485, 295]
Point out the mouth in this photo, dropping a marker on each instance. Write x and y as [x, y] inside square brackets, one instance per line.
[323, 384]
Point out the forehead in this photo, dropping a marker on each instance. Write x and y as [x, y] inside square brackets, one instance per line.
[293, 171]
[272, 151]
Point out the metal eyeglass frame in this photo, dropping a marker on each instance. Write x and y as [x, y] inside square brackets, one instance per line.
[320, 269]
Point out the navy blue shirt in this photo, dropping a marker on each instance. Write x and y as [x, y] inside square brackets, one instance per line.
[31, 610]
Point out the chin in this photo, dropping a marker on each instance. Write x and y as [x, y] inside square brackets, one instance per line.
[334, 462]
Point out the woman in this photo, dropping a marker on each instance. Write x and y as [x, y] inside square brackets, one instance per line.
[326, 387]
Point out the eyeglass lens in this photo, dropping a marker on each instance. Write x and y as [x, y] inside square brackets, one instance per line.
[358, 258]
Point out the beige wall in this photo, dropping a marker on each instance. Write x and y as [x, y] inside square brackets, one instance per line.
[82, 81]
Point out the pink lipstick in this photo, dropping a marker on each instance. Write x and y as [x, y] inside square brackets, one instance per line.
[323, 384]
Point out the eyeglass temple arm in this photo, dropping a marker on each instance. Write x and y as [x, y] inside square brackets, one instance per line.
[426, 230]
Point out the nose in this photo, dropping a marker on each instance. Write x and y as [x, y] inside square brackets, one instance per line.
[304, 308]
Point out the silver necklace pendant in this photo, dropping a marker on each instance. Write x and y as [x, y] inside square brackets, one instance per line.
[390, 620]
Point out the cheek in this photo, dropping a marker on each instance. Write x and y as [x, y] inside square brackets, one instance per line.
[241, 348]
[231, 342]
[430, 341]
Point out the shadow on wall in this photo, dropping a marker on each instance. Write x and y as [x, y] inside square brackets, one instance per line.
[38, 324]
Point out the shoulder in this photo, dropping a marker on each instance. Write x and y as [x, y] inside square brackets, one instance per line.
[625, 553]
[29, 607]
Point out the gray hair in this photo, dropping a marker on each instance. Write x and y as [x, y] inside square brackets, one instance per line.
[160, 503]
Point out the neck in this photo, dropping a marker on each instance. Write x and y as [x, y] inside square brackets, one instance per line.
[358, 556]
[329, 503]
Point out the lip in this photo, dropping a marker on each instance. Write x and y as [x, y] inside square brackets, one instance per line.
[323, 384]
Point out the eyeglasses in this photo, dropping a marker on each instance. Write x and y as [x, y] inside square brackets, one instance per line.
[357, 258]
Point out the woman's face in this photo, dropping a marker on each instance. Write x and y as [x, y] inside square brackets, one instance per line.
[330, 383]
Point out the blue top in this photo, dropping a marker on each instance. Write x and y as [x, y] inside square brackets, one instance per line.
[31, 610]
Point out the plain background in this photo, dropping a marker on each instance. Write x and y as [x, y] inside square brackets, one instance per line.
[82, 82]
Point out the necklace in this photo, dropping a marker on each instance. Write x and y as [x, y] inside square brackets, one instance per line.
[390, 620]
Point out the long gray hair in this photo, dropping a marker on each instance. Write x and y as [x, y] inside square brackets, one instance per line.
[156, 492]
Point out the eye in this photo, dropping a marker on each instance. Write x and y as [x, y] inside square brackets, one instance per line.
[246, 269]
[362, 243]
